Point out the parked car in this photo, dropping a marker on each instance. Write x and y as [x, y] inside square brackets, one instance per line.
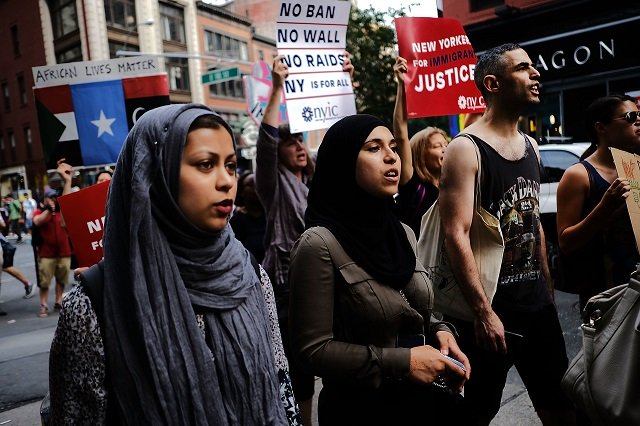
[556, 158]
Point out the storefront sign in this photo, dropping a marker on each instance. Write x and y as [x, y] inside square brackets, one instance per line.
[587, 51]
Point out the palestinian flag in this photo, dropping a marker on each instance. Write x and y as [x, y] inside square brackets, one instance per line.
[87, 123]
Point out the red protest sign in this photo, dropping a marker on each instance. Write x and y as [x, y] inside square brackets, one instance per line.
[83, 213]
[440, 62]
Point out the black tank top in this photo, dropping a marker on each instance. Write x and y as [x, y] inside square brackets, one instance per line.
[509, 191]
[611, 255]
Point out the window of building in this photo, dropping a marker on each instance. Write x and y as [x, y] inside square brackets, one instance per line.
[64, 17]
[178, 69]
[485, 4]
[172, 19]
[72, 54]
[225, 46]
[22, 90]
[6, 98]
[15, 40]
[114, 46]
[120, 14]
[27, 139]
[228, 89]
[261, 55]
[12, 141]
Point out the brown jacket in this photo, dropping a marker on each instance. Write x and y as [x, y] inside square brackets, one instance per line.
[344, 326]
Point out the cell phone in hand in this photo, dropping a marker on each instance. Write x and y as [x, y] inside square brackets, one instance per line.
[456, 362]
[440, 380]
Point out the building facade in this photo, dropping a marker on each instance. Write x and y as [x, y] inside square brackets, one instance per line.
[21, 164]
[189, 37]
[583, 49]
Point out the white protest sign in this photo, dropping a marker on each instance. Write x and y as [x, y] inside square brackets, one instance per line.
[322, 84]
[305, 60]
[311, 35]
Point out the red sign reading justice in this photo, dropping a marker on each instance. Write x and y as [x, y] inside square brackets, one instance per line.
[83, 213]
[440, 63]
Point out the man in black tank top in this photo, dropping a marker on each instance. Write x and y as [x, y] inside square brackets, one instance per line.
[520, 327]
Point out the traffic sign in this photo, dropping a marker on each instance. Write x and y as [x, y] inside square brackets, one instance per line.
[220, 75]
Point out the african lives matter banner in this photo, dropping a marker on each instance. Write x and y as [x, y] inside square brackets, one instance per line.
[440, 63]
[312, 36]
[85, 109]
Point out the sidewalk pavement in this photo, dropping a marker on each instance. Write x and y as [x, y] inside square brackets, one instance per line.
[516, 410]
[26, 415]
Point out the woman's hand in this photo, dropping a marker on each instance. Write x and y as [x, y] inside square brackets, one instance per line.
[400, 69]
[347, 66]
[616, 194]
[78, 271]
[279, 72]
[427, 363]
[449, 347]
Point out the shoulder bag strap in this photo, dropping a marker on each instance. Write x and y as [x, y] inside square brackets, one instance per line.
[476, 198]
[591, 179]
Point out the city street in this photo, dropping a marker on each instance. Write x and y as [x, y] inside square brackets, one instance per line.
[25, 340]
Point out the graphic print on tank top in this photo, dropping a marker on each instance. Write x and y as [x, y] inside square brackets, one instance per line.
[519, 215]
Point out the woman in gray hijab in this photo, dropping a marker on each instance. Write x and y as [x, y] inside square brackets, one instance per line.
[184, 331]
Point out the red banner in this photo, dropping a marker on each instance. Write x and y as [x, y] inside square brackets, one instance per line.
[440, 63]
[83, 213]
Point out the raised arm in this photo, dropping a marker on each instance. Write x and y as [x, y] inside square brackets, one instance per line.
[400, 129]
[457, 188]
[279, 73]
[66, 171]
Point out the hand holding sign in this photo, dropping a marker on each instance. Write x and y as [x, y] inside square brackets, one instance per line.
[400, 69]
[279, 72]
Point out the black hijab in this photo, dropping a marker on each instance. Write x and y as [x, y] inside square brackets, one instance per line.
[160, 270]
[365, 226]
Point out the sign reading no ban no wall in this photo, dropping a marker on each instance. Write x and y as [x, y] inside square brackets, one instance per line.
[311, 35]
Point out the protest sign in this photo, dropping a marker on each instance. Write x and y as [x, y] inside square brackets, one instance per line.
[441, 63]
[257, 86]
[85, 109]
[628, 167]
[83, 213]
[312, 36]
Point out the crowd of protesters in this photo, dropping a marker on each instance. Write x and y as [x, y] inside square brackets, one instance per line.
[221, 296]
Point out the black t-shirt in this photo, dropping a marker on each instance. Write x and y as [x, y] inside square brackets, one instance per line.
[509, 191]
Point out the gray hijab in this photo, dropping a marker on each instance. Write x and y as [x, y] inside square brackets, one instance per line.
[160, 271]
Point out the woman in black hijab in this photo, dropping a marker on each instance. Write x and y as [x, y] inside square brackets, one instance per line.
[360, 301]
[183, 335]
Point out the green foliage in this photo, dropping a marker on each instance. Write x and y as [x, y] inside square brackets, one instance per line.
[372, 44]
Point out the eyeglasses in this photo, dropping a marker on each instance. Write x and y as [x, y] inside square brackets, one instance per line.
[630, 117]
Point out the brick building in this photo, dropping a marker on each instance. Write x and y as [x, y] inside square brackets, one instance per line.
[190, 37]
[21, 163]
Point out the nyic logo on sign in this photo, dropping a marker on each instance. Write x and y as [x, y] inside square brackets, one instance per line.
[328, 112]
[471, 102]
